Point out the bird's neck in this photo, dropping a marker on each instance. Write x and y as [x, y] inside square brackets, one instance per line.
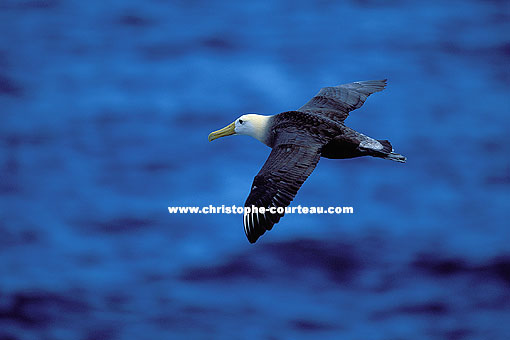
[261, 128]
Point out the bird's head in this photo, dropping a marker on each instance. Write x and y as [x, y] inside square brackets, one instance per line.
[248, 124]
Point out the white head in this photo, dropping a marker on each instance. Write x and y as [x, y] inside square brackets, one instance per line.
[251, 124]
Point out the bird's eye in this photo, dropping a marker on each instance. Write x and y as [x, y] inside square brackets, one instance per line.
[240, 121]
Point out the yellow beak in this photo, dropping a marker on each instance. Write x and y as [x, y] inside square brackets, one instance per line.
[226, 131]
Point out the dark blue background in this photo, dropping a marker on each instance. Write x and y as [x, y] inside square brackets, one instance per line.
[105, 108]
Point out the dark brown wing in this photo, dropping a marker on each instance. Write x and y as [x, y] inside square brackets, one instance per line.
[276, 184]
[336, 102]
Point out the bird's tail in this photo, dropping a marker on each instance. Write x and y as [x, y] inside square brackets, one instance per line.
[395, 157]
[387, 152]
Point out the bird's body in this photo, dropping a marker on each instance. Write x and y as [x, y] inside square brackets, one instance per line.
[298, 139]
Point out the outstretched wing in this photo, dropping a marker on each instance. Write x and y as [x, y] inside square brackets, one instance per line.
[336, 102]
[276, 184]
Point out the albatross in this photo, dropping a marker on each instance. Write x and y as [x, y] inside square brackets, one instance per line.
[298, 140]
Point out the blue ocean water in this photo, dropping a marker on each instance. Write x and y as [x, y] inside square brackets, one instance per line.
[105, 108]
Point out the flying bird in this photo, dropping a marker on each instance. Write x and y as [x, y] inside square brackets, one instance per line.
[298, 140]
